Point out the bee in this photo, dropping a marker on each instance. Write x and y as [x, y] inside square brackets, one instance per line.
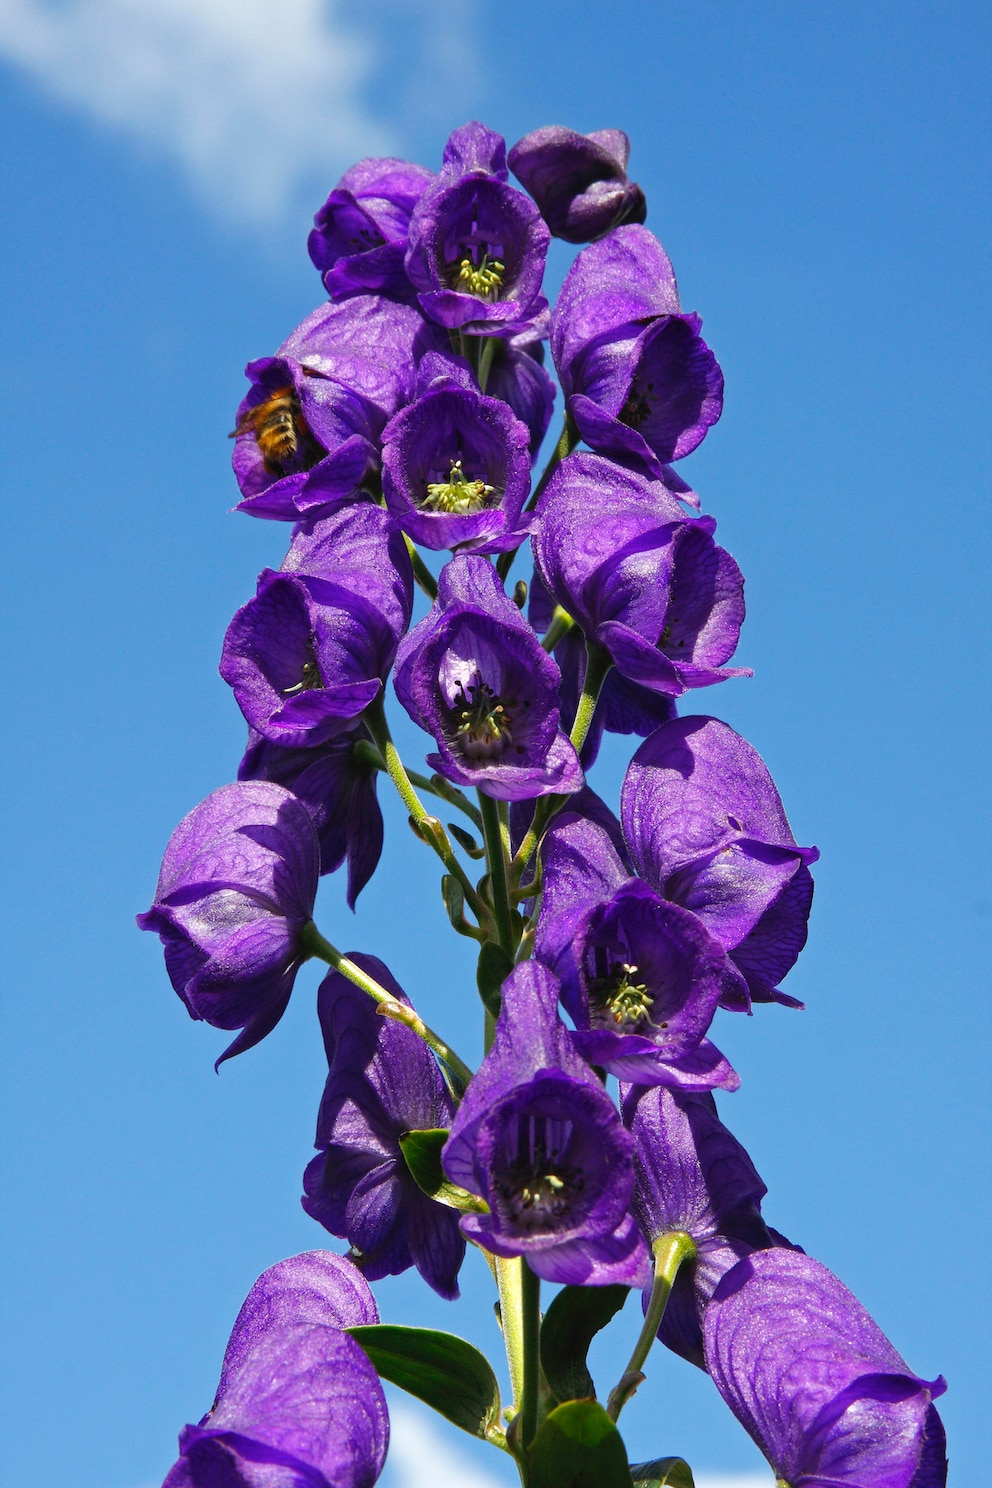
[281, 432]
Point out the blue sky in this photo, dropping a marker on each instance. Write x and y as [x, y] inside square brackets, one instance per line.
[819, 178]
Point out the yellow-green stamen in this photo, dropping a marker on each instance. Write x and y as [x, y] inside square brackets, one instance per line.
[458, 494]
[484, 279]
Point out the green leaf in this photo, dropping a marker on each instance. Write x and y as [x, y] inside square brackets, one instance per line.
[443, 1371]
[578, 1446]
[495, 966]
[422, 1151]
[466, 841]
[664, 1472]
[574, 1318]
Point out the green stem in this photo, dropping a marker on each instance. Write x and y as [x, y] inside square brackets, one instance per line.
[531, 1289]
[421, 572]
[509, 1279]
[436, 785]
[598, 664]
[429, 828]
[314, 944]
[561, 624]
[486, 360]
[496, 860]
[670, 1252]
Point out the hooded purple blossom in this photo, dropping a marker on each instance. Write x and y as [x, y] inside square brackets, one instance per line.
[539, 1140]
[517, 375]
[456, 465]
[311, 651]
[706, 829]
[298, 1400]
[383, 1082]
[642, 580]
[474, 675]
[641, 978]
[305, 442]
[338, 788]
[360, 233]
[638, 379]
[579, 181]
[477, 245]
[691, 1174]
[815, 1381]
[368, 342]
[236, 887]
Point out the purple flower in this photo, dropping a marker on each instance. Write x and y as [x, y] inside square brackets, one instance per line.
[456, 465]
[706, 829]
[538, 1139]
[474, 675]
[360, 233]
[338, 788]
[383, 1082]
[816, 1383]
[311, 651]
[641, 978]
[638, 379]
[236, 887]
[691, 1174]
[368, 342]
[579, 181]
[643, 581]
[298, 1401]
[477, 245]
[305, 441]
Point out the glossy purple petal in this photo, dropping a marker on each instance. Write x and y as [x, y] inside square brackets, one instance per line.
[382, 1082]
[518, 377]
[474, 675]
[236, 887]
[474, 148]
[706, 828]
[579, 181]
[298, 1400]
[338, 788]
[359, 551]
[813, 1379]
[369, 343]
[360, 233]
[456, 468]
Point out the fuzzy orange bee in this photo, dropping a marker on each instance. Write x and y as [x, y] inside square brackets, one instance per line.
[281, 432]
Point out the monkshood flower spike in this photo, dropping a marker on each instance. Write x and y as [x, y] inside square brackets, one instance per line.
[399, 429]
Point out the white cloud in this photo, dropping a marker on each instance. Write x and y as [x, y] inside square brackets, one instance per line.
[255, 100]
[421, 1457]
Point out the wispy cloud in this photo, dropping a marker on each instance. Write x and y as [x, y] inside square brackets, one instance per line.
[256, 101]
[420, 1456]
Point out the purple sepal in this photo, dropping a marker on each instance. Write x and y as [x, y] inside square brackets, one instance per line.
[518, 377]
[814, 1380]
[456, 464]
[476, 255]
[539, 1139]
[236, 887]
[692, 1174]
[359, 237]
[579, 181]
[382, 1082]
[474, 675]
[638, 380]
[705, 827]
[474, 148]
[304, 658]
[338, 792]
[369, 343]
[359, 550]
[298, 1401]
[304, 440]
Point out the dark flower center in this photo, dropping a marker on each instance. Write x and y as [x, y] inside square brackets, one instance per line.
[483, 722]
[618, 999]
[534, 1182]
[637, 407]
[310, 678]
[281, 433]
[458, 494]
[476, 272]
